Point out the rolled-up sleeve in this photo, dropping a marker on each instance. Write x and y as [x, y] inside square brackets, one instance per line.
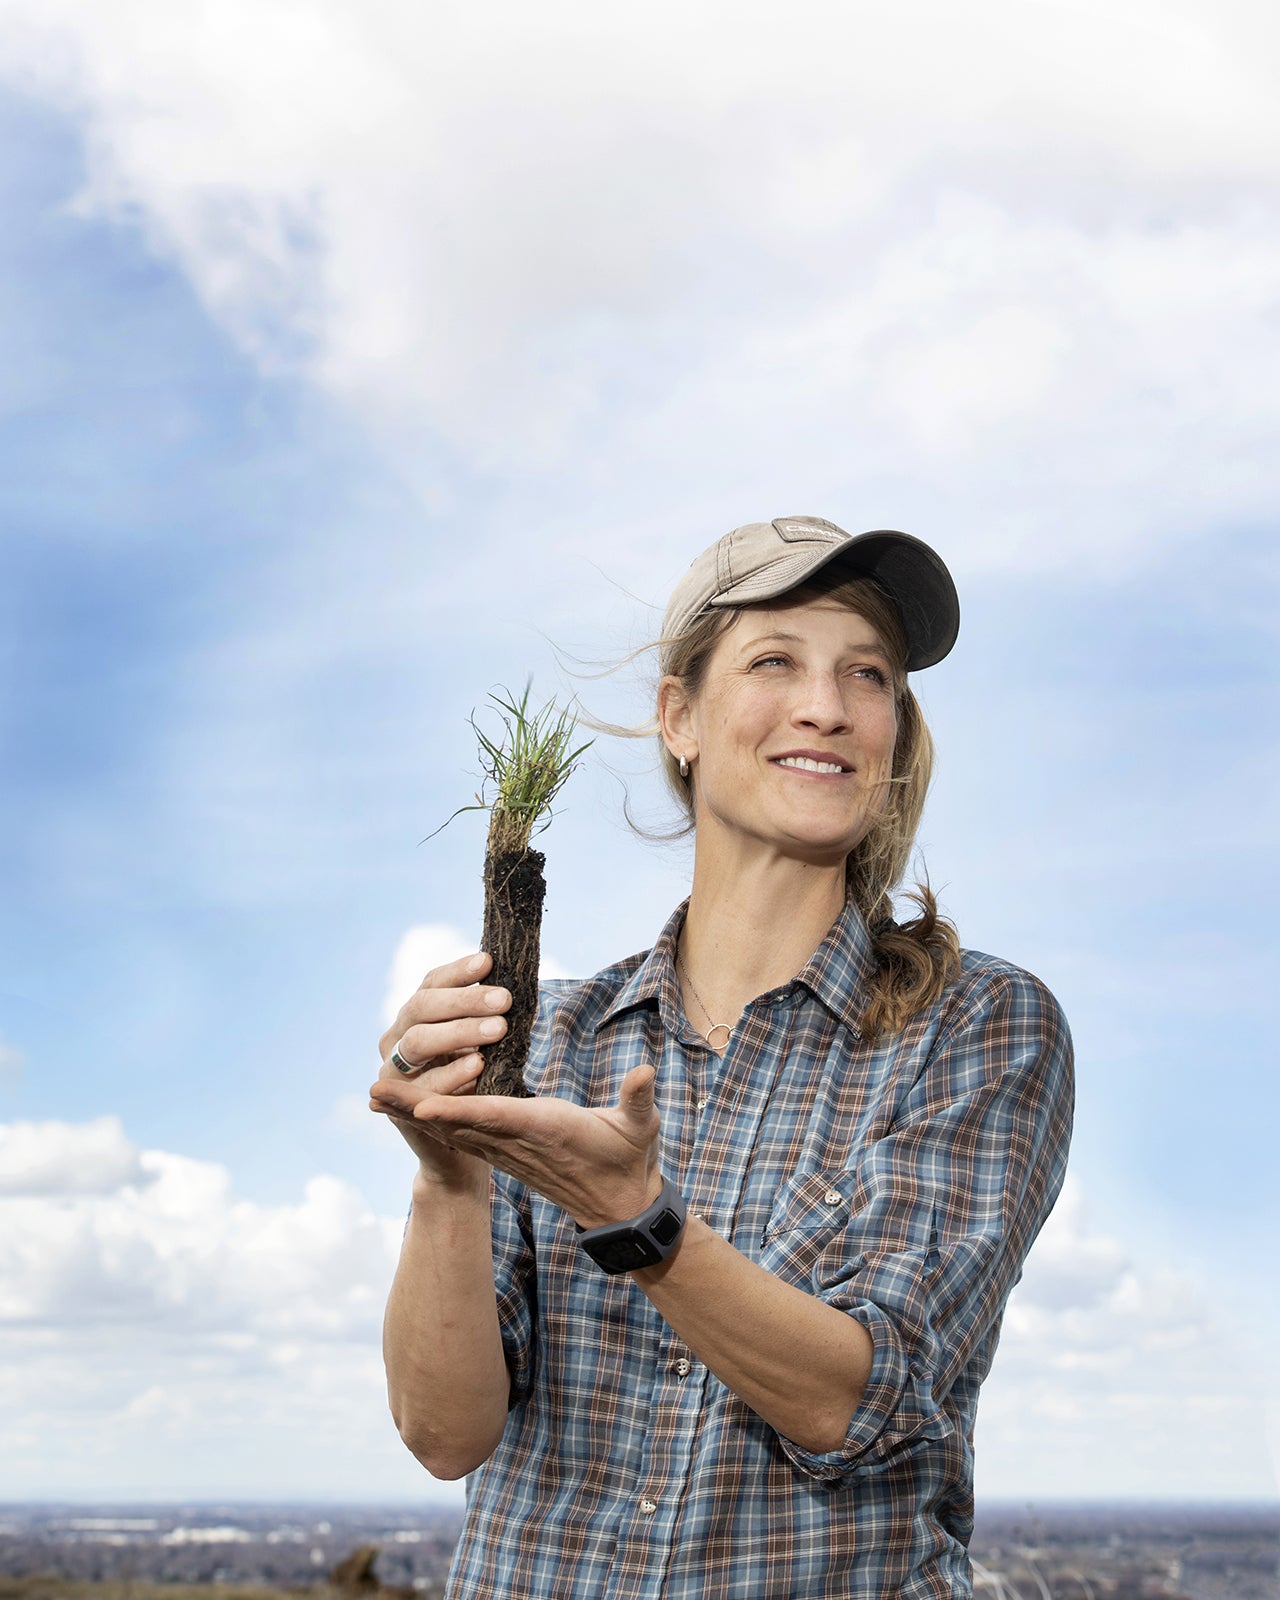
[938, 1212]
[515, 1281]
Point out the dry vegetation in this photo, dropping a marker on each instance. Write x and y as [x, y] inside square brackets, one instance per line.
[352, 1579]
[47, 1586]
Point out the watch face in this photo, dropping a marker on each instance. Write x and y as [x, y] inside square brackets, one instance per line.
[665, 1226]
[624, 1253]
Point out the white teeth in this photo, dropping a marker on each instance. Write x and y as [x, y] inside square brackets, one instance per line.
[807, 765]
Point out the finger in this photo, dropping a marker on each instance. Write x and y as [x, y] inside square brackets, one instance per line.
[479, 1114]
[443, 1005]
[424, 1043]
[466, 969]
[399, 1109]
[395, 1113]
[403, 1119]
[445, 1078]
[405, 1067]
[459, 1139]
[439, 1007]
[636, 1096]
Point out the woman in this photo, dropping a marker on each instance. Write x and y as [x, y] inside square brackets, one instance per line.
[708, 1316]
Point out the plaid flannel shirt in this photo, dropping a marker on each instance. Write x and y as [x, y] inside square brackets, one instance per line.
[902, 1182]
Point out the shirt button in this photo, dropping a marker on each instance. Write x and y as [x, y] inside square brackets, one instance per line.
[697, 1216]
[648, 1507]
[832, 1197]
[702, 1105]
[683, 1368]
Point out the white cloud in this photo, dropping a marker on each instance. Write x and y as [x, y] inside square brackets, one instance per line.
[67, 1158]
[712, 261]
[1116, 1377]
[159, 1313]
[93, 1229]
[166, 1319]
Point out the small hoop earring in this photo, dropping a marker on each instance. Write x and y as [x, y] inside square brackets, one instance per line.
[684, 767]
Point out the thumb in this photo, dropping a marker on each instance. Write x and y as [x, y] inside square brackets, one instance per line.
[636, 1099]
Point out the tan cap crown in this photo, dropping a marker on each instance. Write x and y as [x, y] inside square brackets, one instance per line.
[764, 560]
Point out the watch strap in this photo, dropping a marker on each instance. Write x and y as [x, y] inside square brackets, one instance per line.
[640, 1241]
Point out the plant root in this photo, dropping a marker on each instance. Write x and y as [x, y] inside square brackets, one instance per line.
[514, 889]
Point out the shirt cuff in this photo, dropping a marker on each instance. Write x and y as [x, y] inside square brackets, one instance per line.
[896, 1410]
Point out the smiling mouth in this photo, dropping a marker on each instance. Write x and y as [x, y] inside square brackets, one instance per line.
[830, 769]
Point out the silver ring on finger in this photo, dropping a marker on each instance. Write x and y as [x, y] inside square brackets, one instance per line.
[397, 1060]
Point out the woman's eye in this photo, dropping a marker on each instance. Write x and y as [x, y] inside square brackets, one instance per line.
[767, 661]
[874, 674]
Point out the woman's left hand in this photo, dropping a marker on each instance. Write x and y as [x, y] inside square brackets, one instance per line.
[599, 1165]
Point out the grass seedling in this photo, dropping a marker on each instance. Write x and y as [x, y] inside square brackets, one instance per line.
[525, 767]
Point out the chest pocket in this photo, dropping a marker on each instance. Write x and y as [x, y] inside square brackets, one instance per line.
[804, 1239]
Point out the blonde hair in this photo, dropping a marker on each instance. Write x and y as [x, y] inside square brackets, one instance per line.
[916, 960]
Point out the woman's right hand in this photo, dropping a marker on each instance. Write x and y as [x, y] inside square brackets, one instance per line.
[439, 1030]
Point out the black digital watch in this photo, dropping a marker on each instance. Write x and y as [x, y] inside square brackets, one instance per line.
[640, 1241]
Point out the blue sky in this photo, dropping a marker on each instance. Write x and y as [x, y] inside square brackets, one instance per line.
[350, 365]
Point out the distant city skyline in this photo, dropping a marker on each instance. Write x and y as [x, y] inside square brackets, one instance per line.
[1139, 1553]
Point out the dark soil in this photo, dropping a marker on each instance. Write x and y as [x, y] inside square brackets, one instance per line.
[514, 888]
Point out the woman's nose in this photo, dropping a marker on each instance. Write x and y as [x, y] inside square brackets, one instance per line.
[821, 704]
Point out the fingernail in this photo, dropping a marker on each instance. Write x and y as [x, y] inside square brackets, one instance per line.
[491, 1027]
[476, 963]
[496, 998]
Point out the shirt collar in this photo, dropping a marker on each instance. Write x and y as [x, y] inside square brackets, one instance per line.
[840, 970]
[837, 974]
[654, 980]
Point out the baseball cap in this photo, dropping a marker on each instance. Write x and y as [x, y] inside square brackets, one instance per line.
[763, 560]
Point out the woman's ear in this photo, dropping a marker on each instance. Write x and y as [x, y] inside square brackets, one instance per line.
[675, 717]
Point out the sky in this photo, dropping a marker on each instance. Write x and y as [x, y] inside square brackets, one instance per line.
[357, 360]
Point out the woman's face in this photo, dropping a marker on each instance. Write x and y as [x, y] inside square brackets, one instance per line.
[791, 735]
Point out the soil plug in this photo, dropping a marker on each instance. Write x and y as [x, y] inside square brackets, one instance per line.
[527, 766]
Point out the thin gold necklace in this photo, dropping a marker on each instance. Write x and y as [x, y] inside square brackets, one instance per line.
[715, 1026]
